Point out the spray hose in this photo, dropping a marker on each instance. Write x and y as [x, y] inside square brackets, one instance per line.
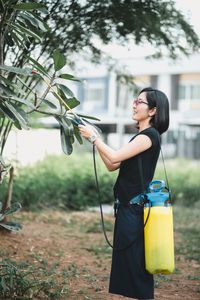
[101, 211]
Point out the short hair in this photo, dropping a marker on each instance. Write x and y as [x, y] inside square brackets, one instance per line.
[158, 99]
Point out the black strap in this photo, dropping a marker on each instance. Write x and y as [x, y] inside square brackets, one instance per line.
[101, 211]
[165, 171]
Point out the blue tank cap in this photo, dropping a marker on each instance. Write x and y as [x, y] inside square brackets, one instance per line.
[161, 184]
[157, 199]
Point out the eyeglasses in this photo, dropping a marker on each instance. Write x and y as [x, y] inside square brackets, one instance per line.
[138, 101]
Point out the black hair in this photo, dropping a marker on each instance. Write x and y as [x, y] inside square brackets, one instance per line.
[159, 100]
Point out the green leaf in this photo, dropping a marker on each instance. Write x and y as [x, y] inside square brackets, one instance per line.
[27, 31]
[14, 85]
[6, 89]
[29, 104]
[17, 125]
[65, 89]
[7, 113]
[3, 284]
[67, 125]
[17, 40]
[72, 102]
[13, 98]
[19, 114]
[21, 71]
[14, 226]
[28, 6]
[37, 65]
[49, 103]
[10, 210]
[65, 142]
[41, 21]
[69, 77]
[89, 117]
[3, 164]
[30, 18]
[77, 135]
[1, 206]
[59, 60]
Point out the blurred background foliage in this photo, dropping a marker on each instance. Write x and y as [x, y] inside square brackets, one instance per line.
[68, 183]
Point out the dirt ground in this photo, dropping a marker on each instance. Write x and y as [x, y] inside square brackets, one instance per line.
[76, 239]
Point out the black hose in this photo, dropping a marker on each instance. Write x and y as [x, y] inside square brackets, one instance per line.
[101, 211]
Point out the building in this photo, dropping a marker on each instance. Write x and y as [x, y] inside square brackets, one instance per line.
[103, 95]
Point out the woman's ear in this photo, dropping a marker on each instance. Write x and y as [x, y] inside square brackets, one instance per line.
[152, 112]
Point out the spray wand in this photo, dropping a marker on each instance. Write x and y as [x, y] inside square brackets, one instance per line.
[76, 117]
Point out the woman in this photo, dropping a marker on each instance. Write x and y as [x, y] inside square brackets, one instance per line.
[151, 110]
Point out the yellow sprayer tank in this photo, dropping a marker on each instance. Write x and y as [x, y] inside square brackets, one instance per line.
[158, 232]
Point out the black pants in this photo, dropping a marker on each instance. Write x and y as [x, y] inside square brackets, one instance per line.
[128, 275]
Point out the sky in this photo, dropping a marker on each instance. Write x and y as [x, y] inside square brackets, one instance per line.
[191, 10]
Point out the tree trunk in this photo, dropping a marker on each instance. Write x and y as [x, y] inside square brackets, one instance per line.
[9, 193]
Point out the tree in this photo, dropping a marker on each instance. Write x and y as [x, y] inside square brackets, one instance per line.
[77, 23]
[18, 95]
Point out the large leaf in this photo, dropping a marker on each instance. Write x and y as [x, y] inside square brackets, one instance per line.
[19, 114]
[59, 60]
[26, 30]
[8, 114]
[20, 43]
[69, 77]
[49, 103]
[66, 124]
[73, 102]
[65, 89]
[14, 85]
[37, 65]
[28, 6]
[4, 172]
[24, 71]
[65, 142]
[10, 210]
[6, 90]
[42, 23]
[77, 135]
[88, 117]
[14, 226]
[1, 206]
[29, 104]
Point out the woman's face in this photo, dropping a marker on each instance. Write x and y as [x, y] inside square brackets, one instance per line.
[141, 108]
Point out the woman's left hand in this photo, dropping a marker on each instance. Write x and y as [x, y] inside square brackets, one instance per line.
[86, 130]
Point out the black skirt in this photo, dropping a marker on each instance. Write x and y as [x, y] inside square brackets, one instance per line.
[128, 275]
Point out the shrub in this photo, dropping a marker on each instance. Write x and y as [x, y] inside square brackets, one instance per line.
[61, 181]
[69, 182]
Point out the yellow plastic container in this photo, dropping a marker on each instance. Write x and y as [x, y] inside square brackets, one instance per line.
[158, 235]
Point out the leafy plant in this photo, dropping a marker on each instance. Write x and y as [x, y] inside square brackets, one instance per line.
[25, 281]
[14, 226]
[21, 25]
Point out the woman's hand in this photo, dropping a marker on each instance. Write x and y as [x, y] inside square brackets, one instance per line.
[87, 131]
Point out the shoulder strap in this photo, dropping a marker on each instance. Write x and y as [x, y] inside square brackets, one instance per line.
[141, 170]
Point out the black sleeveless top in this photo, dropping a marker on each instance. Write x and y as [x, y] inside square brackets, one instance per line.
[128, 184]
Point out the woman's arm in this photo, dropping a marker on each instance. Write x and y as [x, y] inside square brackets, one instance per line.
[139, 144]
[111, 167]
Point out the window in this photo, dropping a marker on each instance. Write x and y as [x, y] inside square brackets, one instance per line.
[189, 91]
[94, 94]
